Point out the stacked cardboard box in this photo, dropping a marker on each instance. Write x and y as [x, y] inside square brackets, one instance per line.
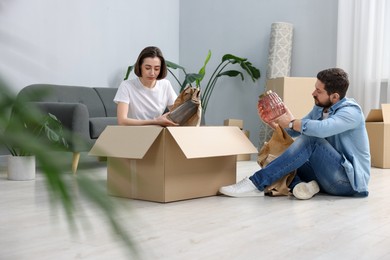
[378, 129]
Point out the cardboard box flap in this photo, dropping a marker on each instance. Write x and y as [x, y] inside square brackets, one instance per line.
[379, 115]
[386, 113]
[375, 115]
[125, 141]
[206, 141]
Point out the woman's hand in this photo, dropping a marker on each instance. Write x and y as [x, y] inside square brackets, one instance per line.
[164, 121]
[122, 110]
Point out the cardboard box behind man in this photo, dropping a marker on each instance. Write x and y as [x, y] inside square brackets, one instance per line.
[378, 129]
[296, 93]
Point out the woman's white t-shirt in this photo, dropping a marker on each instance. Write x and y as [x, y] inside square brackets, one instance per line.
[145, 103]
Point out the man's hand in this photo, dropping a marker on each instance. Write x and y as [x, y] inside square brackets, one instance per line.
[263, 118]
[285, 119]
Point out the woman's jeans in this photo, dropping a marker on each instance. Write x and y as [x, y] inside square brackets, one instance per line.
[314, 159]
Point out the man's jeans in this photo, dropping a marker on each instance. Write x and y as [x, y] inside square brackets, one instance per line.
[315, 159]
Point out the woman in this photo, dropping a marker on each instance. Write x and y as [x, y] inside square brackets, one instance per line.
[143, 100]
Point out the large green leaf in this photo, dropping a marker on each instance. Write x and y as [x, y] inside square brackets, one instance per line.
[172, 65]
[231, 73]
[190, 78]
[54, 131]
[129, 69]
[252, 71]
[232, 58]
[202, 70]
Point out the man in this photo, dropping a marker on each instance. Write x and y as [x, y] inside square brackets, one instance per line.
[331, 153]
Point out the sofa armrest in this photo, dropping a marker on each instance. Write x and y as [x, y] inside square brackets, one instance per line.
[75, 118]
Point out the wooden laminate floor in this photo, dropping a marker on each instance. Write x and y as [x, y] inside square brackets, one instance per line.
[219, 227]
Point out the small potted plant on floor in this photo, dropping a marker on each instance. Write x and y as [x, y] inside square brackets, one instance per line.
[64, 193]
[43, 127]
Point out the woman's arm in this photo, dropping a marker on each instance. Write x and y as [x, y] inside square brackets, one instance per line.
[123, 109]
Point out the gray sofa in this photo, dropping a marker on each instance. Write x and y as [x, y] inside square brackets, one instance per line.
[84, 111]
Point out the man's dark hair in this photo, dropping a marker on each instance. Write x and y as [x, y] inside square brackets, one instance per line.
[335, 80]
[151, 52]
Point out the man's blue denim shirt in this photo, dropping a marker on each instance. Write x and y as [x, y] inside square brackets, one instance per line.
[345, 130]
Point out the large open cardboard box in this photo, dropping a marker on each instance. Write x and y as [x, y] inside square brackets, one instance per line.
[240, 124]
[296, 93]
[378, 129]
[169, 164]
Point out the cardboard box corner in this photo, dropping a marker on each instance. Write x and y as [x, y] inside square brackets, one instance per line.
[378, 130]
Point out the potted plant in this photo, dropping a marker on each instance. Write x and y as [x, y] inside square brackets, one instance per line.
[42, 127]
[219, 71]
[53, 165]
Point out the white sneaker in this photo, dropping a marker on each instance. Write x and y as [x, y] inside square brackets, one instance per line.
[244, 188]
[306, 190]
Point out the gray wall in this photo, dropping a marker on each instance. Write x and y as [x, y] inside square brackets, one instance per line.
[243, 28]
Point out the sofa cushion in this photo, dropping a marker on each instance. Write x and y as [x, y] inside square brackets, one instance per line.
[98, 124]
[107, 96]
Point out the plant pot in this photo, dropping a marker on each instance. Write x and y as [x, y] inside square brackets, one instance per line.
[21, 168]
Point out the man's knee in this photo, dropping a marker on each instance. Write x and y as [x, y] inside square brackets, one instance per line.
[312, 140]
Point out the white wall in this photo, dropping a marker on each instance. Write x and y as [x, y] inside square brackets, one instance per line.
[91, 42]
[82, 42]
[243, 28]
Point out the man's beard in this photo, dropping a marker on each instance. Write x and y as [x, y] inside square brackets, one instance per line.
[326, 104]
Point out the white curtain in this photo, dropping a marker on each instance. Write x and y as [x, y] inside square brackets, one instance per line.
[363, 44]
